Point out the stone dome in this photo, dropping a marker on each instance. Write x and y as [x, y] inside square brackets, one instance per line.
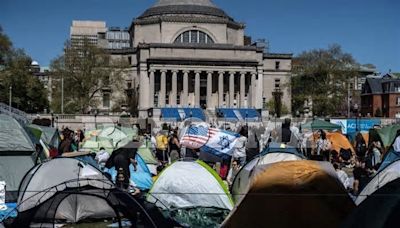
[179, 7]
[184, 2]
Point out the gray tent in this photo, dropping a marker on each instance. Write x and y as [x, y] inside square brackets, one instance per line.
[16, 154]
[69, 190]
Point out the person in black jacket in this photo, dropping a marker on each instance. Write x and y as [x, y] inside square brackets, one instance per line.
[122, 158]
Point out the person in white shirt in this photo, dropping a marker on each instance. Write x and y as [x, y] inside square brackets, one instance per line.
[102, 156]
[239, 153]
[342, 175]
[233, 171]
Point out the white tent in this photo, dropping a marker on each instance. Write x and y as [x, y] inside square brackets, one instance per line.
[188, 185]
[390, 173]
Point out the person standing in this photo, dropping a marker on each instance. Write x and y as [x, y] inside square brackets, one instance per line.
[239, 152]
[323, 145]
[360, 177]
[174, 147]
[233, 171]
[66, 145]
[162, 147]
[123, 157]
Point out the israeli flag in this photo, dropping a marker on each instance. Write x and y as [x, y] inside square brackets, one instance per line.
[209, 140]
[220, 143]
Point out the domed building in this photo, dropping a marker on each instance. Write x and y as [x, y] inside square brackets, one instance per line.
[190, 53]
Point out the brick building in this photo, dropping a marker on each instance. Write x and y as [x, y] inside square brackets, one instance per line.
[380, 96]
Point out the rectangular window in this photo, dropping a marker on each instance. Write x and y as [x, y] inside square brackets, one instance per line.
[102, 35]
[202, 38]
[106, 100]
[185, 38]
[398, 101]
[193, 38]
[277, 83]
[277, 65]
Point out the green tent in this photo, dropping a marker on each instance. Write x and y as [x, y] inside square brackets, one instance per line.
[129, 132]
[320, 124]
[95, 143]
[113, 134]
[145, 152]
[388, 134]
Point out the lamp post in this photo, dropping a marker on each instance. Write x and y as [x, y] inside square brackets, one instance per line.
[10, 98]
[95, 118]
[355, 108]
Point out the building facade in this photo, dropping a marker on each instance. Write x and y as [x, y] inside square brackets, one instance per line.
[92, 31]
[380, 96]
[190, 53]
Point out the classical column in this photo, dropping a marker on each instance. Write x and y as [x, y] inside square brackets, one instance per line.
[231, 88]
[151, 88]
[259, 87]
[209, 89]
[242, 88]
[253, 90]
[197, 89]
[144, 88]
[161, 97]
[185, 94]
[172, 97]
[221, 89]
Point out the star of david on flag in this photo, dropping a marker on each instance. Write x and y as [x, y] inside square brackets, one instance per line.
[210, 140]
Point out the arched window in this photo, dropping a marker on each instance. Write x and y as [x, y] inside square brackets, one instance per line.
[194, 36]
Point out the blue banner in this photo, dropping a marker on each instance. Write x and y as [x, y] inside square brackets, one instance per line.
[354, 125]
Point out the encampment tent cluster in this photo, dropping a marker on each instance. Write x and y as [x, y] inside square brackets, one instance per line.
[278, 187]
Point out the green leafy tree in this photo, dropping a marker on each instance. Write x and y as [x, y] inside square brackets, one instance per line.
[322, 75]
[28, 94]
[86, 71]
[270, 106]
[5, 47]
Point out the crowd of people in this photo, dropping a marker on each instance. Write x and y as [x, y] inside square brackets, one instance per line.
[354, 167]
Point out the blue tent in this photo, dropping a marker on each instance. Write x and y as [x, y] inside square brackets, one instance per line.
[141, 177]
[390, 157]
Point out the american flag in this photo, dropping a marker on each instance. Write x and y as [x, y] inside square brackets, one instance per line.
[197, 135]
